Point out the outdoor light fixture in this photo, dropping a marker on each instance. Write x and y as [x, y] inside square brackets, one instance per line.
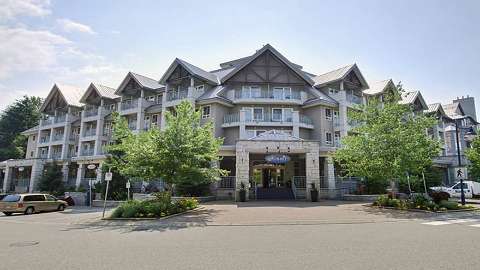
[21, 169]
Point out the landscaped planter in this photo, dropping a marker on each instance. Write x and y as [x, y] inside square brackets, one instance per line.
[360, 198]
[110, 203]
[426, 211]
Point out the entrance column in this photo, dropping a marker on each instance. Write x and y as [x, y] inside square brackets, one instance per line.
[330, 169]
[80, 173]
[312, 170]
[36, 173]
[65, 172]
[7, 178]
[242, 171]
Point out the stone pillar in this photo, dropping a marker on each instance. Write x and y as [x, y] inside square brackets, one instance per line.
[342, 111]
[80, 173]
[242, 171]
[312, 170]
[330, 170]
[66, 139]
[164, 109]
[242, 129]
[65, 172]
[99, 172]
[7, 178]
[37, 171]
[296, 124]
[99, 133]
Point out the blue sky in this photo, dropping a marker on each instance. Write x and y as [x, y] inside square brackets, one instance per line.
[431, 46]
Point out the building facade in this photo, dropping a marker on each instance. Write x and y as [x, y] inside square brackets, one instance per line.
[280, 124]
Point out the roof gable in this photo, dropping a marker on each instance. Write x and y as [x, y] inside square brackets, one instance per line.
[242, 64]
[101, 90]
[193, 70]
[413, 98]
[380, 87]
[62, 96]
[142, 81]
[338, 75]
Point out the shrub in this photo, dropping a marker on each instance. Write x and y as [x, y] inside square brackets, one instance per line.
[450, 205]
[382, 200]
[439, 196]
[419, 201]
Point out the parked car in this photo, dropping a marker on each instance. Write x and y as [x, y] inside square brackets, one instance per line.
[470, 188]
[2, 196]
[30, 203]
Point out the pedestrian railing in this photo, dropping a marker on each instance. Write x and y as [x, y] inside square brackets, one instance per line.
[226, 182]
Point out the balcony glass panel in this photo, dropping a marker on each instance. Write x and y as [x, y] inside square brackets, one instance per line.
[129, 104]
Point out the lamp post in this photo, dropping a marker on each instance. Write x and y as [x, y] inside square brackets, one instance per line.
[462, 192]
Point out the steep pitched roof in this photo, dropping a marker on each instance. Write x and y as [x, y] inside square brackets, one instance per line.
[143, 81]
[70, 94]
[435, 108]
[319, 97]
[194, 70]
[29, 131]
[378, 87]
[102, 90]
[338, 75]
[248, 60]
[452, 108]
[411, 97]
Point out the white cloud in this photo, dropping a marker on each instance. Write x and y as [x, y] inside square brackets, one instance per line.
[27, 50]
[9, 9]
[71, 26]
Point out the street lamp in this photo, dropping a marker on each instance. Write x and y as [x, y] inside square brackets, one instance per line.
[470, 132]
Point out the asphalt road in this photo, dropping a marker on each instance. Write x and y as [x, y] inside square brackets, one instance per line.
[249, 236]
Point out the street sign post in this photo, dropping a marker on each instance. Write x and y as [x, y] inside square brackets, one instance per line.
[460, 173]
[128, 190]
[108, 178]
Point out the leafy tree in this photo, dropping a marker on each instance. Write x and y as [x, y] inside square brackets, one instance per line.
[473, 155]
[51, 180]
[183, 154]
[389, 142]
[17, 117]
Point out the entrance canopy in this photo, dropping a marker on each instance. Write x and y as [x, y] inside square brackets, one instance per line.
[275, 135]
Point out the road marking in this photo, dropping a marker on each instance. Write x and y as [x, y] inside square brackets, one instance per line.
[449, 221]
[475, 225]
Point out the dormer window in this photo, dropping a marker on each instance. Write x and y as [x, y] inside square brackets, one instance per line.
[200, 88]
[205, 112]
[332, 90]
[328, 114]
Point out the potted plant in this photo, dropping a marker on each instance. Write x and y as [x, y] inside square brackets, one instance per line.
[314, 193]
[243, 192]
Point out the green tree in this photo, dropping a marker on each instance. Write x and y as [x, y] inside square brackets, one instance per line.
[473, 155]
[17, 117]
[51, 180]
[182, 155]
[389, 141]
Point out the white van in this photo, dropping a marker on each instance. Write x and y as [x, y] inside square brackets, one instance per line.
[470, 188]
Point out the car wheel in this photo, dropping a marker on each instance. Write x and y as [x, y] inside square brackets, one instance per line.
[7, 213]
[61, 207]
[30, 210]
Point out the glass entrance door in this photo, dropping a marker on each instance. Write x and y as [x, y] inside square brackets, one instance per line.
[273, 177]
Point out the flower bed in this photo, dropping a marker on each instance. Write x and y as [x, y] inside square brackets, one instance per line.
[161, 206]
[421, 202]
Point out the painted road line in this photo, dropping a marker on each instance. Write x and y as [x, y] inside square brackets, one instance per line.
[475, 225]
[450, 221]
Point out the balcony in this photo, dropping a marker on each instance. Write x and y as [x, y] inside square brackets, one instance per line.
[87, 152]
[90, 112]
[266, 119]
[177, 94]
[90, 132]
[129, 104]
[354, 99]
[46, 122]
[73, 137]
[60, 118]
[268, 96]
[132, 125]
[45, 139]
[57, 155]
[57, 137]
[43, 155]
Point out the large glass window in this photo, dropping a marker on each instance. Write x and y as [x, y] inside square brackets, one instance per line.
[257, 113]
[256, 92]
[277, 115]
[278, 92]
[287, 114]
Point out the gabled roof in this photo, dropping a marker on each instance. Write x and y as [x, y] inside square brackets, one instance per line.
[435, 108]
[452, 108]
[319, 97]
[143, 81]
[29, 131]
[248, 60]
[411, 97]
[102, 91]
[70, 94]
[378, 87]
[338, 75]
[194, 70]
[274, 135]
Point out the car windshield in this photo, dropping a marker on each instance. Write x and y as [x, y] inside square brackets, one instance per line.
[11, 198]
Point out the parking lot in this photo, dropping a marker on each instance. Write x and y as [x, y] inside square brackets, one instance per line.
[252, 235]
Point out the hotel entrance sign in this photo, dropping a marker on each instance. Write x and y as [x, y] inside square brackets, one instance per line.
[277, 159]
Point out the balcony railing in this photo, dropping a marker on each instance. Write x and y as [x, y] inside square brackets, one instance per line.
[177, 94]
[57, 155]
[354, 99]
[300, 181]
[60, 118]
[42, 155]
[73, 137]
[90, 132]
[57, 137]
[226, 182]
[268, 94]
[266, 117]
[71, 154]
[46, 122]
[91, 112]
[305, 120]
[87, 152]
[132, 125]
[45, 139]
[129, 104]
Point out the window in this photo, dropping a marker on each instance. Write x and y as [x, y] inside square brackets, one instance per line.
[34, 198]
[328, 137]
[332, 90]
[33, 138]
[258, 114]
[287, 114]
[11, 198]
[328, 114]
[155, 120]
[337, 138]
[335, 114]
[256, 92]
[258, 132]
[205, 112]
[250, 133]
[31, 154]
[159, 99]
[200, 87]
[277, 115]
[50, 198]
[278, 92]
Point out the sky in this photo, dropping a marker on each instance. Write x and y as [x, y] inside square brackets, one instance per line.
[431, 46]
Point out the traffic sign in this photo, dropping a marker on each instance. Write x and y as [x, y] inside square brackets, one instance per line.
[128, 185]
[108, 176]
[460, 173]
[91, 166]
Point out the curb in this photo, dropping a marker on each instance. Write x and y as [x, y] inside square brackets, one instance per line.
[424, 211]
[159, 218]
